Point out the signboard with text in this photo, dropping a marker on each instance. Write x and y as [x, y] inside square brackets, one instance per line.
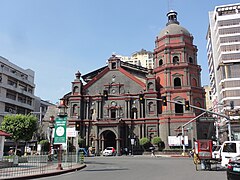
[177, 140]
[60, 130]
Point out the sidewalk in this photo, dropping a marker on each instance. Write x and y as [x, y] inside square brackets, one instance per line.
[51, 172]
[161, 154]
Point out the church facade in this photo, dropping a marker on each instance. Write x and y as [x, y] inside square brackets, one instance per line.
[120, 117]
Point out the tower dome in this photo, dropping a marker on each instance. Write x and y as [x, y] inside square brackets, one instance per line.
[173, 27]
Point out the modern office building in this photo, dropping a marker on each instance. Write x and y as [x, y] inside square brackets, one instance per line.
[16, 89]
[17, 97]
[223, 51]
[208, 95]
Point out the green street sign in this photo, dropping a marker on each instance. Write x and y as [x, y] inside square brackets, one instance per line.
[207, 119]
[60, 130]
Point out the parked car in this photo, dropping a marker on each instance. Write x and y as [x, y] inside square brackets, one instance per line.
[233, 168]
[229, 150]
[216, 152]
[109, 151]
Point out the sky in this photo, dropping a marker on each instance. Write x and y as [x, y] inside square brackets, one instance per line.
[57, 38]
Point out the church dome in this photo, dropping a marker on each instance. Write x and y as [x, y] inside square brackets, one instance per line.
[173, 27]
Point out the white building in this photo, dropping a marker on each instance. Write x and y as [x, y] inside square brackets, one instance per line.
[223, 51]
[142, 58]
[16, 89]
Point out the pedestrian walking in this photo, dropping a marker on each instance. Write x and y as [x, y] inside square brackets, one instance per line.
[153, 153]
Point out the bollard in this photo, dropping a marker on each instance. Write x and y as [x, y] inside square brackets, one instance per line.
[81, 158]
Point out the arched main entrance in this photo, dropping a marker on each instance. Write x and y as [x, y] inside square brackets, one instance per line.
[109, 139]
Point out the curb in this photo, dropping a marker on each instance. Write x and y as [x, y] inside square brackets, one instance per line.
[173, 156]
[54, 173]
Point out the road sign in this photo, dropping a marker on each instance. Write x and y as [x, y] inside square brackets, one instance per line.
[60, 130]
[207, 119]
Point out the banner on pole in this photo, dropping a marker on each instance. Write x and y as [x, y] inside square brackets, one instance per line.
[60, 130]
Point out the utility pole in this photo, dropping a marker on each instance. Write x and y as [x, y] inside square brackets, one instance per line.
[204, 110]
[183, 142]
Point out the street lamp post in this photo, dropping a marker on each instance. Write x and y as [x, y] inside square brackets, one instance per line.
[62, 113]
[59, 167]
[51, 126]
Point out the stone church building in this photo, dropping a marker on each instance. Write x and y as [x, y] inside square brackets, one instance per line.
[115, 120]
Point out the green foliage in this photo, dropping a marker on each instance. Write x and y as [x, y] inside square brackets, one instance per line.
[71, 147]
[81, 142]
[45, 145]
[156, 140]
[144, 141]
[21, 127]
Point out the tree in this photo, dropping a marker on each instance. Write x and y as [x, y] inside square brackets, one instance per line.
[45, 145]
[21, 127]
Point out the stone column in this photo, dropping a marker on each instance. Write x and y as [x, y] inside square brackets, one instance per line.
[126, 109]
[97, 140]
[118, 147]
[87, 109]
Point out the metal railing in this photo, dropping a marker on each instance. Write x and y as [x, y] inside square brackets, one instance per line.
[15, 166]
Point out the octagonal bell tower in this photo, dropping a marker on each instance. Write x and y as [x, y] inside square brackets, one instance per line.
[179, 77]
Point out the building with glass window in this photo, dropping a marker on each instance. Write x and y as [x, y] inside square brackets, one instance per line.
[223, 51]
[16, 89]
[142, 58]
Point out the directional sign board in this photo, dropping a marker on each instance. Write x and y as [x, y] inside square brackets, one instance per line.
[60, 130]
[207, 119]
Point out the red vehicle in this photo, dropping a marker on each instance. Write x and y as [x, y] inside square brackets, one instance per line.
[203, 153]
[203, 148]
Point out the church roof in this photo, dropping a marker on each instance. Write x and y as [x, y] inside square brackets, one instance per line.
[135, 72]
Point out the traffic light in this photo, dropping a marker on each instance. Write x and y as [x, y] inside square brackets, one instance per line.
[187, 106]
[164, 100]
[141, 98]
[232, 104]
[77, 126]
[105, 95]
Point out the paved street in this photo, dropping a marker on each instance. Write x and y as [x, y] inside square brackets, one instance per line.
[140, 168]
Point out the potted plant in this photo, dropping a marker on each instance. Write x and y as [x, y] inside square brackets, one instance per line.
[157, 141]
[144, 142]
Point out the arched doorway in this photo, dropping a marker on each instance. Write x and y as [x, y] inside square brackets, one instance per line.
[109, 139]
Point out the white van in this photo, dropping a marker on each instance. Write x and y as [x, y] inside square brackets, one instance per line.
[229, 149]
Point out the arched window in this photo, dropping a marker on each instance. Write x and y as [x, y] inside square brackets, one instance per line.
[190, 60]
[113, 113]
[150, 86]
[75, 110]
[194, 82]
[177, 83]
[197, 111]
[150, 108]
[175, 60]
[178, 108]
[160, 62]
[75, 90]
[134, 113]
[114, 65]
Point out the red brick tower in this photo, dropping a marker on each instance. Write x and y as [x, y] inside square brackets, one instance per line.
[179, 78]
